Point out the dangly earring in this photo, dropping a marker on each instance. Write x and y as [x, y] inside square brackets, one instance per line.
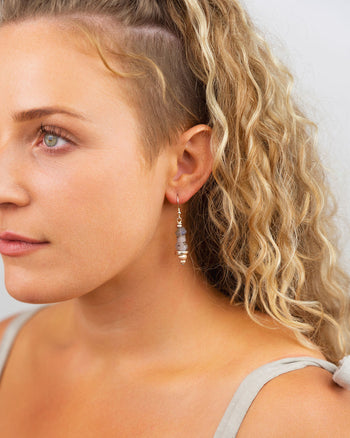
[181, 245]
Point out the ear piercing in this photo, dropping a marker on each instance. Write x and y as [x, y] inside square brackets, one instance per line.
[181, 245]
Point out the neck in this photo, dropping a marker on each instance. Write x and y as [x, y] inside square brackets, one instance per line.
[149, 316]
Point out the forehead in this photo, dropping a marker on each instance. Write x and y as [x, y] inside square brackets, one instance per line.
[42, 60]
[28, 43]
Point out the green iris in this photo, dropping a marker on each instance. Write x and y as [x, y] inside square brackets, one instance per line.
[50, 140]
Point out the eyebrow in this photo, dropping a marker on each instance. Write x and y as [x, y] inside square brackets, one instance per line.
[36, 113]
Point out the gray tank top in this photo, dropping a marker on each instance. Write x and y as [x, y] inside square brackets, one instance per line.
[247, 390]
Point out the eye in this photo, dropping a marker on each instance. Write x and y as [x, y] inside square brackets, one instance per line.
[54, 139]
[50, 140]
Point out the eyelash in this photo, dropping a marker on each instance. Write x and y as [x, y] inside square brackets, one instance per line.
[57, 132]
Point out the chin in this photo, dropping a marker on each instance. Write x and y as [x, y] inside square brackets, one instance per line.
[32, 293]
[28, 299]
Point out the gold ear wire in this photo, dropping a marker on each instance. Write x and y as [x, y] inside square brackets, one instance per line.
[181, 245]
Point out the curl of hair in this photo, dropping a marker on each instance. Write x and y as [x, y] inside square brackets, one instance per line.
[261, 228]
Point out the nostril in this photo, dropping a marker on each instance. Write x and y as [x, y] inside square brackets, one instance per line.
[13, 196]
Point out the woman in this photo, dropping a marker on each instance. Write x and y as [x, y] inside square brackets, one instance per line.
[154, 153]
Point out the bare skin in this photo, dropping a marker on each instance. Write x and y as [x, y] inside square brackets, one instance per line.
[56, 388]
[137, 345]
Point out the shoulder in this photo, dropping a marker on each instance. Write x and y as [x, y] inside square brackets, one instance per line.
[4, 324]
[300, 403]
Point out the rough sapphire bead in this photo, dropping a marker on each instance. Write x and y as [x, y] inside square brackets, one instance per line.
[180, 231]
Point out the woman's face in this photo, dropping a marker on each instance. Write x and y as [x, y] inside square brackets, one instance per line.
[84, 189]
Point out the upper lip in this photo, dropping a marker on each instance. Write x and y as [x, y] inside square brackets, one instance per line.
[7, 235]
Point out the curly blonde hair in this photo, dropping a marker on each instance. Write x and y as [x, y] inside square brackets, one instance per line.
[261, 228]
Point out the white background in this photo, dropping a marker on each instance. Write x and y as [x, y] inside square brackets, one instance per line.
[313, 38]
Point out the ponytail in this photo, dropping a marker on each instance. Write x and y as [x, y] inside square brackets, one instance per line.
[260, 226]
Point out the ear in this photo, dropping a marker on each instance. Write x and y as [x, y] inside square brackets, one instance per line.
[192, 163]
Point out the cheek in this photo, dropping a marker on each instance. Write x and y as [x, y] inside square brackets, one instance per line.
[98, 222]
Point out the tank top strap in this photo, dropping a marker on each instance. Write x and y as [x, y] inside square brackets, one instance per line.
[252, 384]
[11, 332]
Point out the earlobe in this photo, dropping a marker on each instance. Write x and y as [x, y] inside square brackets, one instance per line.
[194, 162]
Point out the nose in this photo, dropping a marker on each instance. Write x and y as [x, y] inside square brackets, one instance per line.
[12, 174]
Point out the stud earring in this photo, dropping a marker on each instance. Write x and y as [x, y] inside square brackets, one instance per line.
[181, 245]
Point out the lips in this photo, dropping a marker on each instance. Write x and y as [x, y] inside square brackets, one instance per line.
[9, 236]
[14, 245]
